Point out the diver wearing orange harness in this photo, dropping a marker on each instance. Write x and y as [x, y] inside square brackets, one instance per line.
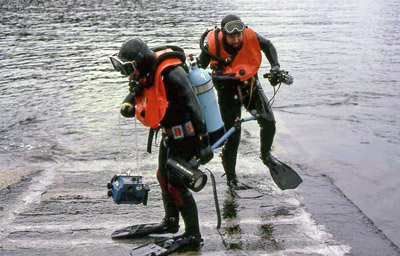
[162, 96]
[234, 51]
[247, 60]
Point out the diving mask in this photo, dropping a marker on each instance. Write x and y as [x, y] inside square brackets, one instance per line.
[125, 67]
[234, 26]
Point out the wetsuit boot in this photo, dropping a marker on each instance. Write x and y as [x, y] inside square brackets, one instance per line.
[229, 157]
[229, 164]
[191, 238]
[266, 139]
[169, 224]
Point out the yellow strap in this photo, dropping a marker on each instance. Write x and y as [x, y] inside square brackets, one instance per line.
[126, 104]
[253, 80]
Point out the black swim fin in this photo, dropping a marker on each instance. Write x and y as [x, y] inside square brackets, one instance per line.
[282, 174]
[168, 246]
[142, 230]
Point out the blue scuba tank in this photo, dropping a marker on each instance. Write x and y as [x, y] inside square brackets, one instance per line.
[204, 88]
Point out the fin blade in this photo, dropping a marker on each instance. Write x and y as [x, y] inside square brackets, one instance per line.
[150, 249]
[129, 232]
[164, 246]
[286, 178]
[283, 175]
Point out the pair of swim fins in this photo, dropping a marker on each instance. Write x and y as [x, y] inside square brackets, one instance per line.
[160, 247]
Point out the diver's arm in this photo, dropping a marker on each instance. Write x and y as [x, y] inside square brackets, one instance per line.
[269, 50]
[186, 95]
[183, 91]
[204, 58]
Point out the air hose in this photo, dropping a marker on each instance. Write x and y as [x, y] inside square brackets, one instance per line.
[217, 207]
[206, 51]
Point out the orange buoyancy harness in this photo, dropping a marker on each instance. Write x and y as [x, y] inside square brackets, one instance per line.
[246, 62]
[152, 104]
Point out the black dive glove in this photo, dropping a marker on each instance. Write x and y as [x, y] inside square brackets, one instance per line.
[135, 87]
[128, 106]
[274, 71]
[205, 153]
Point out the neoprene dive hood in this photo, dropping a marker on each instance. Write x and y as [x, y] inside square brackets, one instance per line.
[136, 50]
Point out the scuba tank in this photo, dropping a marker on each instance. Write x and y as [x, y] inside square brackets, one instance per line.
[204, 88]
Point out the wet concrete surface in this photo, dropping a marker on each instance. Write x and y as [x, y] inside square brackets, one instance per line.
[64, 210]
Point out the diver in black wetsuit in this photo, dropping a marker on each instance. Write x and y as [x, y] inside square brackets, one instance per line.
[184, 133]
[243, 46]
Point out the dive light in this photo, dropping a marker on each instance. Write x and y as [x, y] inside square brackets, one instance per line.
[187, 173]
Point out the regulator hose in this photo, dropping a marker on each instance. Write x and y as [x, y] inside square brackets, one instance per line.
[206, 51]
[217, 207]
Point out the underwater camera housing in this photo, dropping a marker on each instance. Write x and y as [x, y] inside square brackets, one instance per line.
[126, 189]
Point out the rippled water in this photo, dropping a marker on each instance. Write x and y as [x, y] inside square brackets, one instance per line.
[59, 96]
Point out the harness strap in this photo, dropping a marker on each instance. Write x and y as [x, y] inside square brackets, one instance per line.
[150, 140]
[217, 42]
[221, 61]
[253, 80]
[179, 132]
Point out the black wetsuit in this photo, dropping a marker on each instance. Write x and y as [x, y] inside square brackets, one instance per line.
[230, 102]
[183, 106]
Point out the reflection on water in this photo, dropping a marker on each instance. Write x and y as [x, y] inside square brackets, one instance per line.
[59, 96]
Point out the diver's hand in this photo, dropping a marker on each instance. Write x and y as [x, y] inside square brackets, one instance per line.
[205, 153]
[127, 110]
[128, 106]
[274, 71]
[135, 87]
